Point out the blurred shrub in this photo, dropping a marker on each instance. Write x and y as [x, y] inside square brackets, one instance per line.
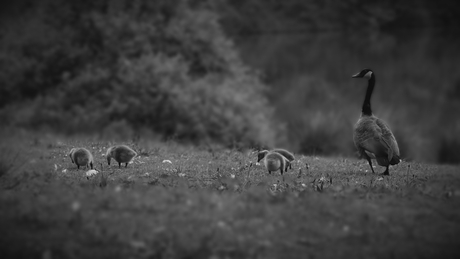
[163, 65]
[255, 16]
[448, 150]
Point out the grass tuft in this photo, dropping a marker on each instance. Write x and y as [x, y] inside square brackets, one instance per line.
[221, 204]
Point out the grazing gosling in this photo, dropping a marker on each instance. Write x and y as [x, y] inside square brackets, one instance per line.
[81, 157]
[121, 154]
[275, 161]
[288, 155]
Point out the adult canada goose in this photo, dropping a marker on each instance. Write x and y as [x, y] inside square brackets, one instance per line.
[275, 161]
[372, 136]
[81, 157]
[121, 154]
[288, 155]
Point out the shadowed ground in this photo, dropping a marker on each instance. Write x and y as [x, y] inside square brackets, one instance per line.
[212, 202]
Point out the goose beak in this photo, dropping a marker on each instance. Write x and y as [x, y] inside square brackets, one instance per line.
[355, 75]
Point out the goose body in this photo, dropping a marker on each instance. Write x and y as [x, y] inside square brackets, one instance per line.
[372, 136]
[274, 161]
[81, 157]
[121, 154]
[288, 155]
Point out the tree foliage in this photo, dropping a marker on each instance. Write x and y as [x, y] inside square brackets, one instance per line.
[257, 16]
[161, 66]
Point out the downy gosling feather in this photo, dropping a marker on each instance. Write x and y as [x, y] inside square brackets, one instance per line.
[81, 157]
[274, 161]
[121, 154]
[288, 155]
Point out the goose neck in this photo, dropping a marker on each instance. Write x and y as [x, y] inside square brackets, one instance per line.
[366, 110]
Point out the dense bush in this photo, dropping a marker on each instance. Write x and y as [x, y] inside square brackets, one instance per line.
[164, 66]
[256, 16]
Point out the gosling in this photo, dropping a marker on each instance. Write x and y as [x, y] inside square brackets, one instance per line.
[288, 155]
[275, 161]
[121, 154]
[81, 157]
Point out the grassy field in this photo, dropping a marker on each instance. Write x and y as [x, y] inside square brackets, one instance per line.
[218, 203]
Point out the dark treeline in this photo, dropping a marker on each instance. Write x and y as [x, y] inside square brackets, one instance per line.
[167, 67]
[129, 67]
[258, 16]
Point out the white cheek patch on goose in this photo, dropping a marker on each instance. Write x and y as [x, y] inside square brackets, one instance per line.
[368, 75]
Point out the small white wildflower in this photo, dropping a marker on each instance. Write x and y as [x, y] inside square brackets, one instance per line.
[380, 179]
[181, 175]
[167, 161]
[64, 171]
[146, 174]
[137, 244]
[55, 167]
[232, 176]
[257, 163]
[304, 185]
[91, 172]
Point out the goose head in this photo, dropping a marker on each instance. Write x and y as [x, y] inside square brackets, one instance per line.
[365, 73]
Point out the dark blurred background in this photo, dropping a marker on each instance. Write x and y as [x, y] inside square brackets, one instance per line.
[254, 73]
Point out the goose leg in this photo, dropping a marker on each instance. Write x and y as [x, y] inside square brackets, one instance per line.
[119, 165]
[126, 165]
[370, 163]
[387, 172]
[287, 166]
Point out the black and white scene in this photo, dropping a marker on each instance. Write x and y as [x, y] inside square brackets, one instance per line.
[229, 129]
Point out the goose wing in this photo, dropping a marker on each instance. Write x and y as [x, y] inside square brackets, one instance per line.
[390, 140]
[374, 147]
[372, 138]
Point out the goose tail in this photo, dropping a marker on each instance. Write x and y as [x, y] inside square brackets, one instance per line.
[395, 160]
